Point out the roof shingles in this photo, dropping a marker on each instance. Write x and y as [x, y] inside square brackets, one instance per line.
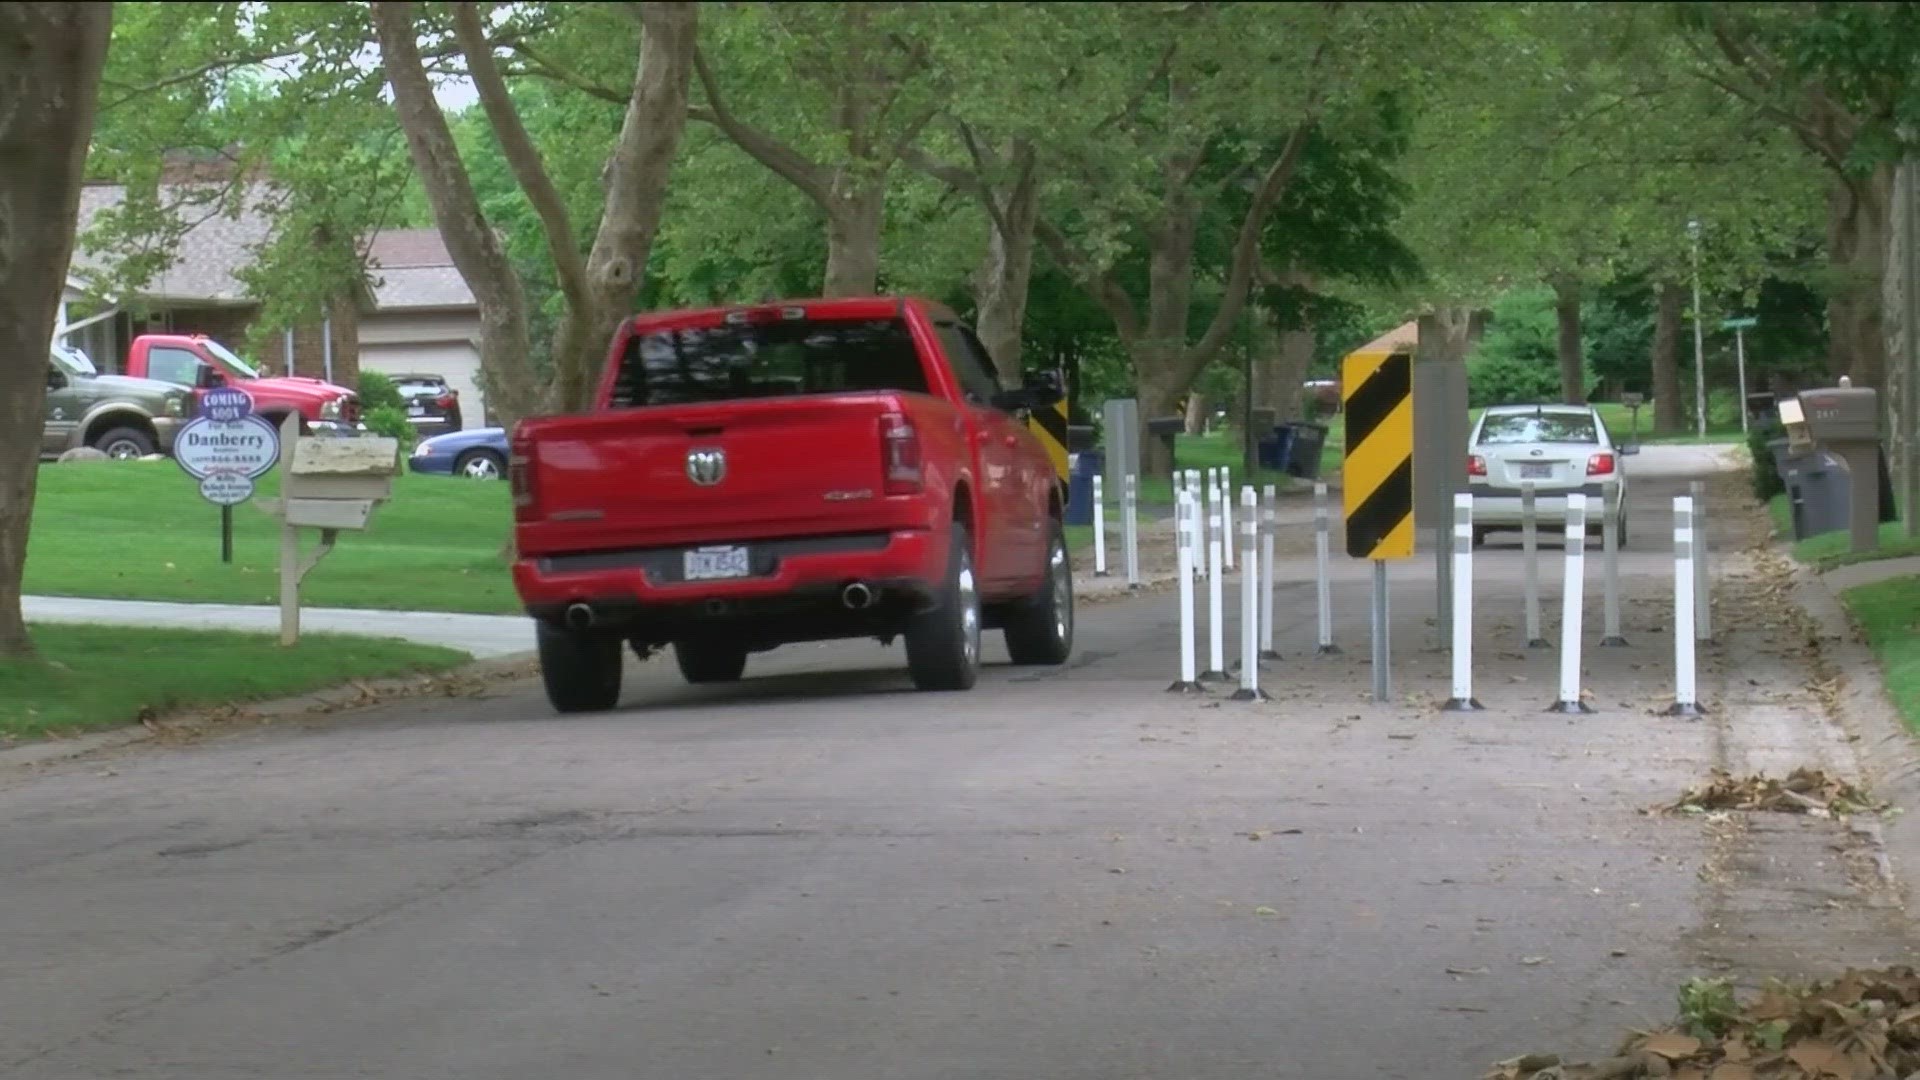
[409, 269]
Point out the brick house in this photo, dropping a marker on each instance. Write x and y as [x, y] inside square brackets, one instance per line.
[414, 312]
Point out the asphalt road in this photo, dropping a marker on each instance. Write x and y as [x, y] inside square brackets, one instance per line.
[820, 873]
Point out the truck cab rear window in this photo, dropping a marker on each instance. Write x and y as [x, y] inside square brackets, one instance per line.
[730, 363]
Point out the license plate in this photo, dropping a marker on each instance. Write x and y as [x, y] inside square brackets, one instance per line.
[706, 564]
[416, 410]
[1536, 470]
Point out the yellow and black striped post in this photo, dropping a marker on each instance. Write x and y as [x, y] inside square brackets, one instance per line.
[1377, 478]
[1050, 425]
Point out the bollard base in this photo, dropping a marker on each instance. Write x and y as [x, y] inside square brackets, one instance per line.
[1465, 704]
[1270, 654]
[1216, 676]
[1180, 687]
[1539, 643]
[1686, 708]
[1614, 642]
[1327, 650]
[1572, 708]
[1244, 694]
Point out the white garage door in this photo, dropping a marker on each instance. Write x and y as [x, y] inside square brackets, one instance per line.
[456, 363]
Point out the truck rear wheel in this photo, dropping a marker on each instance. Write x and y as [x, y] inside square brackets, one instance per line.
[1040, 628]
[581, 668]
[943, 644]
[124, 443]
[709, 661]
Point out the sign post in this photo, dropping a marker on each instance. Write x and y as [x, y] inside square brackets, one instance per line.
[1377, 397]
[1739, 328]
[226, 448]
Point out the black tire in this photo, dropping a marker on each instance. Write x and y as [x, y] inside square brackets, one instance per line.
[480, 465]
[124, 443]
[1039, 629]
[581, 668]
[709, 661]
[943, 643]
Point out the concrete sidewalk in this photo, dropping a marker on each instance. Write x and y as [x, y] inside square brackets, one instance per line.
[482, 636]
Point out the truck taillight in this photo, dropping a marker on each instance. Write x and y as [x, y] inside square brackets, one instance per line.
[1600, 465]
[520, 479]
[900, 455]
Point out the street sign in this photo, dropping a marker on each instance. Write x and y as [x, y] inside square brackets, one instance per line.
[1377, 396]
[248, 446]
[1739, 324]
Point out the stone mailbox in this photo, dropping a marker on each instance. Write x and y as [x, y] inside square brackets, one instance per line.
[1846, 420]
[326, 484]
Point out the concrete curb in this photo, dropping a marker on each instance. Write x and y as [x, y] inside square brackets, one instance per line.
[363, 694]
[1888, 754]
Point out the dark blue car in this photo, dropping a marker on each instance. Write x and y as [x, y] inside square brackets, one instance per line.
[479, 454]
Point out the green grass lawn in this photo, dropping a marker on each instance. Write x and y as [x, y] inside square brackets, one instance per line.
[142, 532]
[1828, 550]
[104, 676]
[1889, 614]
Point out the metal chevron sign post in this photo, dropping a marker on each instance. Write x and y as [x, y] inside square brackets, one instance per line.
[1377, 477]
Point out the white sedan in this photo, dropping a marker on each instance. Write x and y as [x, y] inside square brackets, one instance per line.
[1562, 450]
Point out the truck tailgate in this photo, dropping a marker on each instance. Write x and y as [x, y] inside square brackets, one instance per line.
[690, 474]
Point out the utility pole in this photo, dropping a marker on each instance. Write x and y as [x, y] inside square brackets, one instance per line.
[1906, 195]
[1739, 328]
[1699, 343]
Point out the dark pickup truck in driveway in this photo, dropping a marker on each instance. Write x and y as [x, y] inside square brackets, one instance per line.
[797, 471]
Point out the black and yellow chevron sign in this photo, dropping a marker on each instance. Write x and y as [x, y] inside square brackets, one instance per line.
[1376, 391]
[1050, 424]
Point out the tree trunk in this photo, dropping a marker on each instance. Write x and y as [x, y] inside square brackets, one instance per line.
[476, 249]
[635, 181]
[1284, 354]
[1196, 413]
[1000, 284]
[50, 61]
[1159, 401]
[1897, 327]
[1669, 413]
[1566, 312]
[1857, 215]
[853, 238]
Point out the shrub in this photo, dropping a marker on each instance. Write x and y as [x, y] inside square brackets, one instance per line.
[1498, 379]
[379, 392]
[391, 421]
[1723, 410]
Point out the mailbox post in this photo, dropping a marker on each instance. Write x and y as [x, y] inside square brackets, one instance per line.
[326, 484]
[1846, 420]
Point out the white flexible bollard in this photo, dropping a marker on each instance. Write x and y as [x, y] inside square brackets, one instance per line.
[1099, 529]
[1323, 571]
[1249, 599]
[1702, 573]
[1216, 618]
[1686, 690]
[1572, 598]
[1462, 699]
[1186, 541]
[1611, 637]
[1530, 551]
[1226, 512]
[1130, 528]
[1269, 521]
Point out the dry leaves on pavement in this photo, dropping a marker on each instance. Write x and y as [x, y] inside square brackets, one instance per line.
[1803, 791]
[1865, 1025]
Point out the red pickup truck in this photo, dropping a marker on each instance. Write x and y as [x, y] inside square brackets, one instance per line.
[797, 471]
[201, 363]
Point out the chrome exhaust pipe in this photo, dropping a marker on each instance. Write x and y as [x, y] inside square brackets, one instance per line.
[857, 597]
[579, 617]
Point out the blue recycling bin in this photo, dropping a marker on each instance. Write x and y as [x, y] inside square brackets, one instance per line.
[1087, 464]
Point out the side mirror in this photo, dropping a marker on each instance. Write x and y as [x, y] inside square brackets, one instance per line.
[206, 377]
[56, 380]
[1045, 387]
[1629, 450]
